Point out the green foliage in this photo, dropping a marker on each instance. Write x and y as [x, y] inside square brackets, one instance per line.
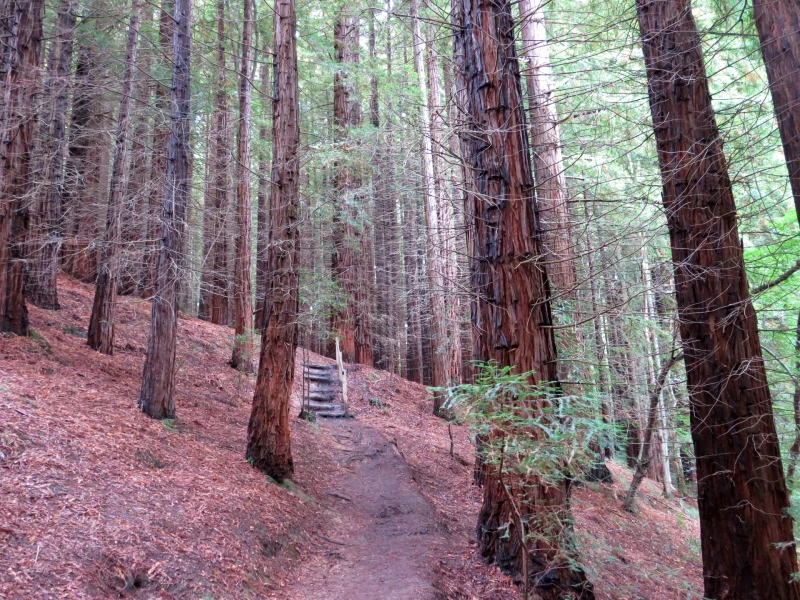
[75, 330]
[171, 425]
[535, 429]
[40, 340]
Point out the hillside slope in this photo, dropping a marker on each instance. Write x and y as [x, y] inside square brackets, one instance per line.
[100, 501]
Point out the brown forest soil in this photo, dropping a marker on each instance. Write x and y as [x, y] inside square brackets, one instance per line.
[99, 501]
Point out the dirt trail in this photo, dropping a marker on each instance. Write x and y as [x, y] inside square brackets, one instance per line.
[385, 539]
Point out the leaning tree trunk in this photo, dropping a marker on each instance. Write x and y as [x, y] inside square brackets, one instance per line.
[747, 543]
[644, 459]
[346, 114]
[21, 29]
[778, 25]
[41, 281]
[268, 443]
[157, 397]
[511, 317]
[548, 163]
[242, 356]
[101, 322]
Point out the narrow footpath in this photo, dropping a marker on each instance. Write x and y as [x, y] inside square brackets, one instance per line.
[385, 539]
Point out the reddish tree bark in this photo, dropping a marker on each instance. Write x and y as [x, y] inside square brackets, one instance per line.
[268, 442]
[41, 281]
[159, 143]
[242, 356]
[747, 543]
[85, 175]
[101, 322]
[136, 209]
[548, 163]
[263, 194]
[214, 284]
[511, 317]
[21, 29]
[157, 397]
[346, 114]
[440, 359]
[778, 25]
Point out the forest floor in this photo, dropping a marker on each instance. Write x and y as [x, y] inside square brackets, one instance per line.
[99, 501]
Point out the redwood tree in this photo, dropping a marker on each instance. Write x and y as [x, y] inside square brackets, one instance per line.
[101, 322]
[778, 25]
[511, 315]
[86, 169]
[21, 29]
[548, 163]
[747, 543]
[346, 114]
[268, 442]
[214, 292]
[157, 397]
[263, 193]
[40, 284]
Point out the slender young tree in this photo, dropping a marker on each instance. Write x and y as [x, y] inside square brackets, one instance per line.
[242, 356]
[747, 543]
[157, 397]
[21, 29]
[101, 322]
[41, 281]
[268, 442]
[511, 315]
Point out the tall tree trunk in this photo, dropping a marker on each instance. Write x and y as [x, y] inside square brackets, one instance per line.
[364, 288]
[21, 29]
[160, 143]
[242, 356]
[268, 443]
[620, 364]
[387, 255]
[413, 303]
[512, 315]
[747, 542]
[778, 25]
[41, 282]
[214, 280]
[86, 167]
[157, 397]
[101, 322]
[456, 240]
[135, 222]
[263, 194]
[548, 163]
[346, 114]
[440, 357]
[794, 450]
[607, 400]
[661, 450]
